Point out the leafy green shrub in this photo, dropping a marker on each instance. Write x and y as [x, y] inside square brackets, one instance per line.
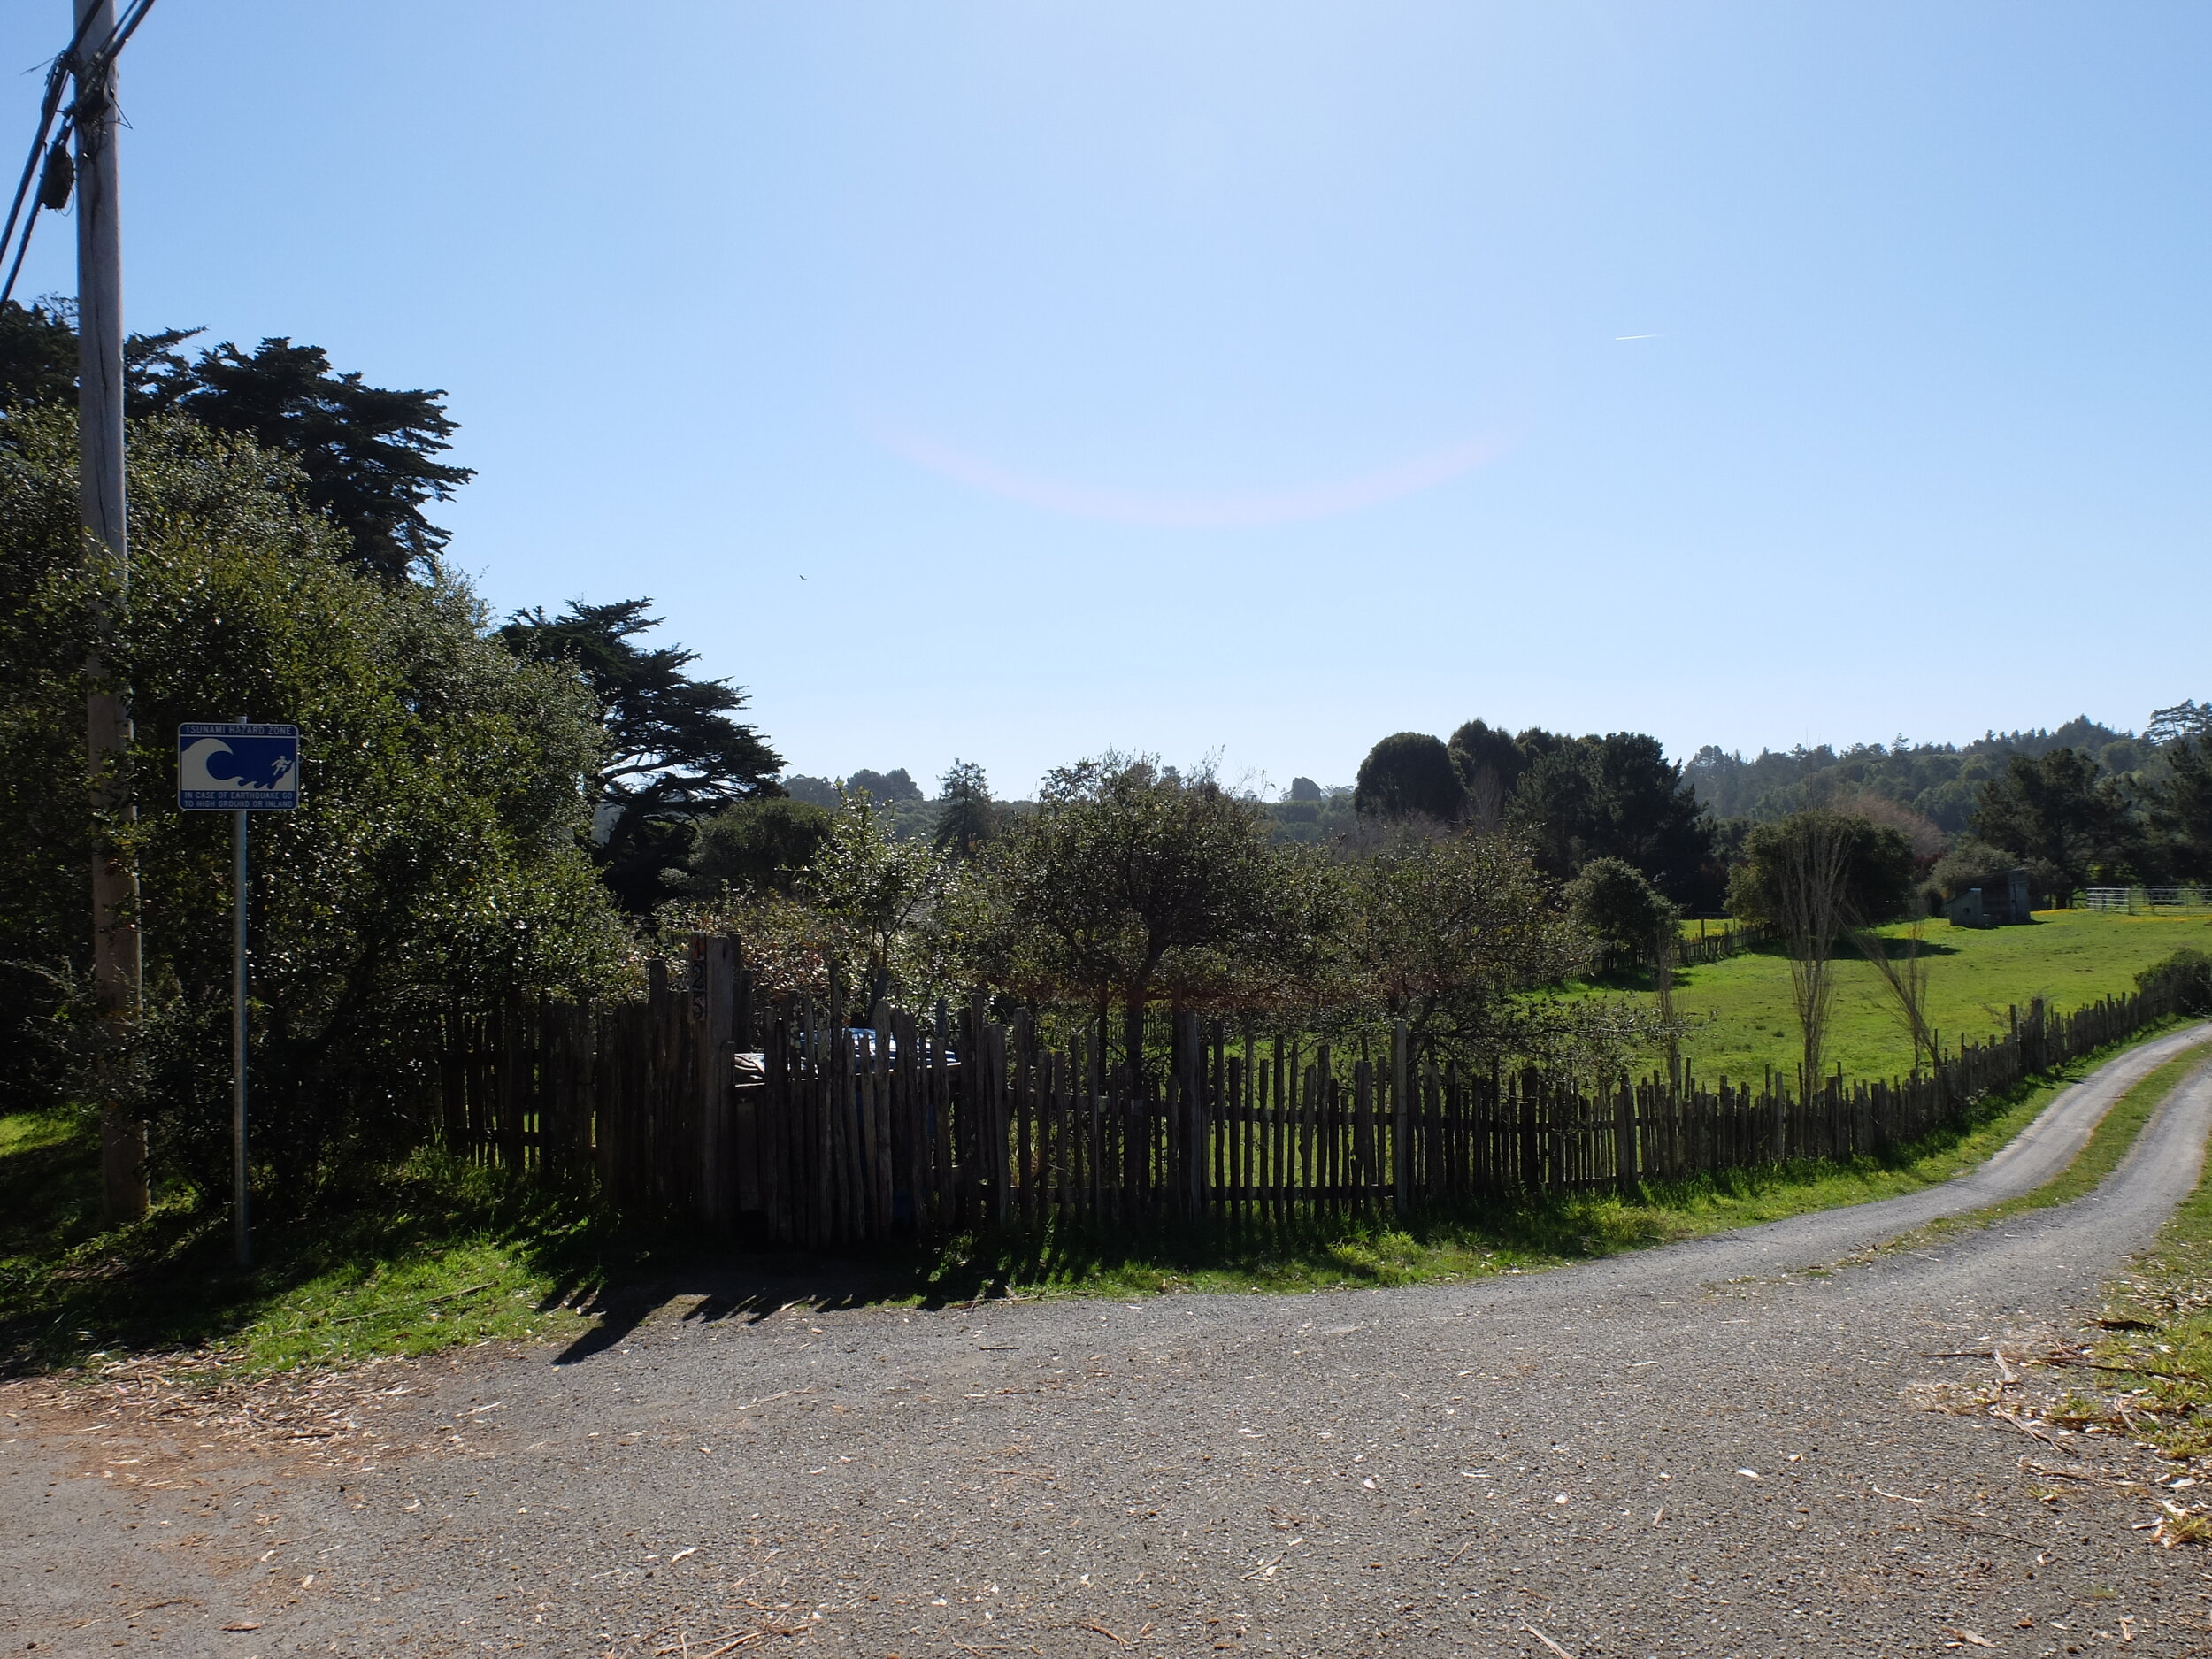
[1878, 880]
[1612, 899]
[437, 860]
[756, 845]
[2189, 973]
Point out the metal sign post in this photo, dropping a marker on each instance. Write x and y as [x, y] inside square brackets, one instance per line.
[241, 1238]
[238, 767]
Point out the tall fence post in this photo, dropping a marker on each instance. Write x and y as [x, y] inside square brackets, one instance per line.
[1401, 1124]
[1194, 1070]
[746, 1155]
[1006, 1098]
[1532, 1146]
[1625, 1136]
[714, 1007]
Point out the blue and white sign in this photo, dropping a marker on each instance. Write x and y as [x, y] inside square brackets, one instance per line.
[234, 766]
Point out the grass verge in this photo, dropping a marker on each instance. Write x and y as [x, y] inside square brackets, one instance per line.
[425, 1255]
[2160, 1348]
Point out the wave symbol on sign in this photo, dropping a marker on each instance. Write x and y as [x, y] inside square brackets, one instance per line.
[238, 763]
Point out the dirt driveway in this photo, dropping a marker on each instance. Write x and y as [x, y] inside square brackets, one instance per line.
[1701, 1449]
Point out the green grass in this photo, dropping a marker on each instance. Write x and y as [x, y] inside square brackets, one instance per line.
[1710, 927]
[1742, 1019]
[2160, 1389]
[426, 1255]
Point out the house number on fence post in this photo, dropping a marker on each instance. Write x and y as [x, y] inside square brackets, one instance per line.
[238, 767]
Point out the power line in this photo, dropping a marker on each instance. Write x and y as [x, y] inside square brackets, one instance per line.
[113, 47]
[96, 66]
[57, 78]
[51, 104]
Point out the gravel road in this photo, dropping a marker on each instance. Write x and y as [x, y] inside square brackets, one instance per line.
[1701, 1449]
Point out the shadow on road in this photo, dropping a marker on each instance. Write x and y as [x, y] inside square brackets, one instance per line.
[753, 1288]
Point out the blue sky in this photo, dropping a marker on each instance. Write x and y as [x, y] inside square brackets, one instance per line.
[1009, 381]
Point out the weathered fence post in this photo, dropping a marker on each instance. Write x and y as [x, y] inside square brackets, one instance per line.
[1532, 1146]
[713, 1006]
[1194, 1119]
[1625, 1136]
[998, 1165]
[745, 1152]
[1400, 1120]
[514, 1081]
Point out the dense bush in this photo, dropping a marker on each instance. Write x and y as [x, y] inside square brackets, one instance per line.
[1612, 901]
[435, 861]
[1877, 869]
[756, 845]
[2189, 973]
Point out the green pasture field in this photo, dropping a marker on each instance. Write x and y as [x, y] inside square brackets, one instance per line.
[1742, 1019]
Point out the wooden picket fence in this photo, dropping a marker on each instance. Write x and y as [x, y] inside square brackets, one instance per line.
[700, 1108]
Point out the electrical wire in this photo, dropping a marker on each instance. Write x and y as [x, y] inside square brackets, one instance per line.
[49, 109]
[50, 104]
[101, 60]
[113, 48]
[23, 247]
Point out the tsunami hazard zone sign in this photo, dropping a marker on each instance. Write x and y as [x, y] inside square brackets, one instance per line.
[237, 766]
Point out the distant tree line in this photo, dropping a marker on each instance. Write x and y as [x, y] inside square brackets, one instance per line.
[1569, 800]
[1819, 849]
[1942, 782]
[2107, 807]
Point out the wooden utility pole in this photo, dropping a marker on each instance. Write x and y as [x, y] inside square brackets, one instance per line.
[116, 961]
